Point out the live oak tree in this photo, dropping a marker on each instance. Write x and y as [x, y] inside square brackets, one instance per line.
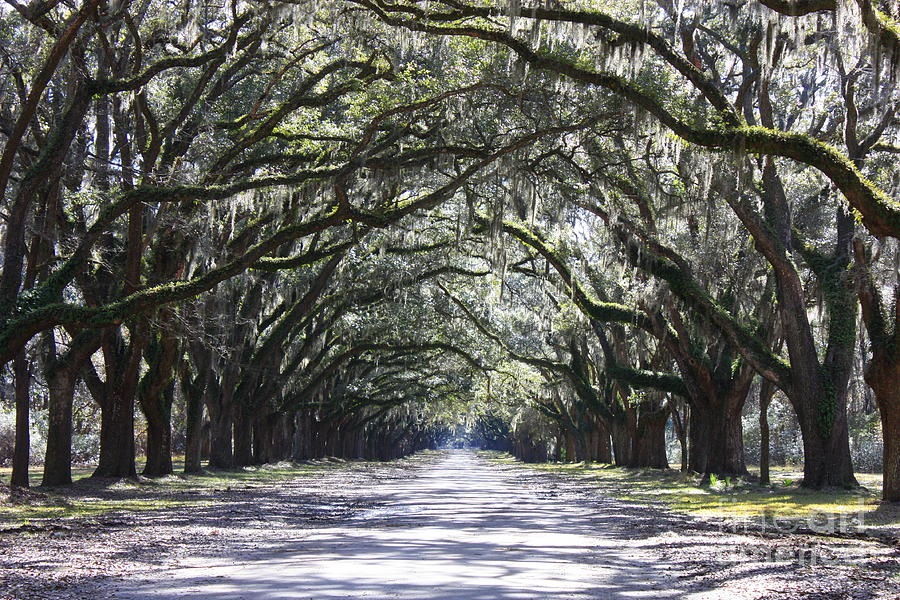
[288, 218]
[116, 291]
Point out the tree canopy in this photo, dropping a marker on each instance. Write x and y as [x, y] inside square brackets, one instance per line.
[348, 227]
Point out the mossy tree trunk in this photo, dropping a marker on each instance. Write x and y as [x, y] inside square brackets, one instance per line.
[597, 439]
[569, 445]
[117, 451]
[818, 393]
[219, 398]
[303, 436]
[717, 381]
[265, 434]
[819, 388]
[61, 384]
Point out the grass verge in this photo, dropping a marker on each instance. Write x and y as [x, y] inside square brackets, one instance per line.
[94, 499]
[732, 499]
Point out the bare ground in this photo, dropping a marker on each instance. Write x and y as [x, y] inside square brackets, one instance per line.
[450, 525]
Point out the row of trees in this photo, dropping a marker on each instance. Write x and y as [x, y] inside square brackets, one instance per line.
[329, 229]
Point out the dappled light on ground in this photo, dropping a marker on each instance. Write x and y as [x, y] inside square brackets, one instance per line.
[452, 524]
[457, 531]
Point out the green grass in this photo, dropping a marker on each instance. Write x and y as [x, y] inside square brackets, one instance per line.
[35, 474]
[88, 499]
[15, 515]
[784, 499]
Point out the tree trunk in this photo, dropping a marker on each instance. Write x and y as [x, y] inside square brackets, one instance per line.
[883, 371]
[558, 447]
[243, 437]
[591, 442]
[62, 377]
[826, 450]
[717, 438]
[117, 400]
[371, 443]
[699, 435]
[264, 435]
[359, 451]
[890, 424]
[221, 454]
[650, 441]
[159, 437]
[603, 450]
[680, 431]
[58, 458]
[817, 389]
[766, 392]
[581, 446]
[621, 443]
[260, 439]
[883, 375]
[193, 450]
[157, 394]
[286, 434]
[22, 450]
[317, 441]
[117, 436]
[570, 446]
[303, 437]
[297, 439]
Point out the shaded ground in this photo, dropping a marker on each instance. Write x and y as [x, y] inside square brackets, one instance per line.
[99, 499]
[450, 525]
[740, 500]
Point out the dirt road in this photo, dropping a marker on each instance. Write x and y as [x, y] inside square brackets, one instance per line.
[451, 525]
[460, 529]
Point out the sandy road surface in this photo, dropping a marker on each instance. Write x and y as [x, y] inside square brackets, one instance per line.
[460, 529]
[438, 526]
